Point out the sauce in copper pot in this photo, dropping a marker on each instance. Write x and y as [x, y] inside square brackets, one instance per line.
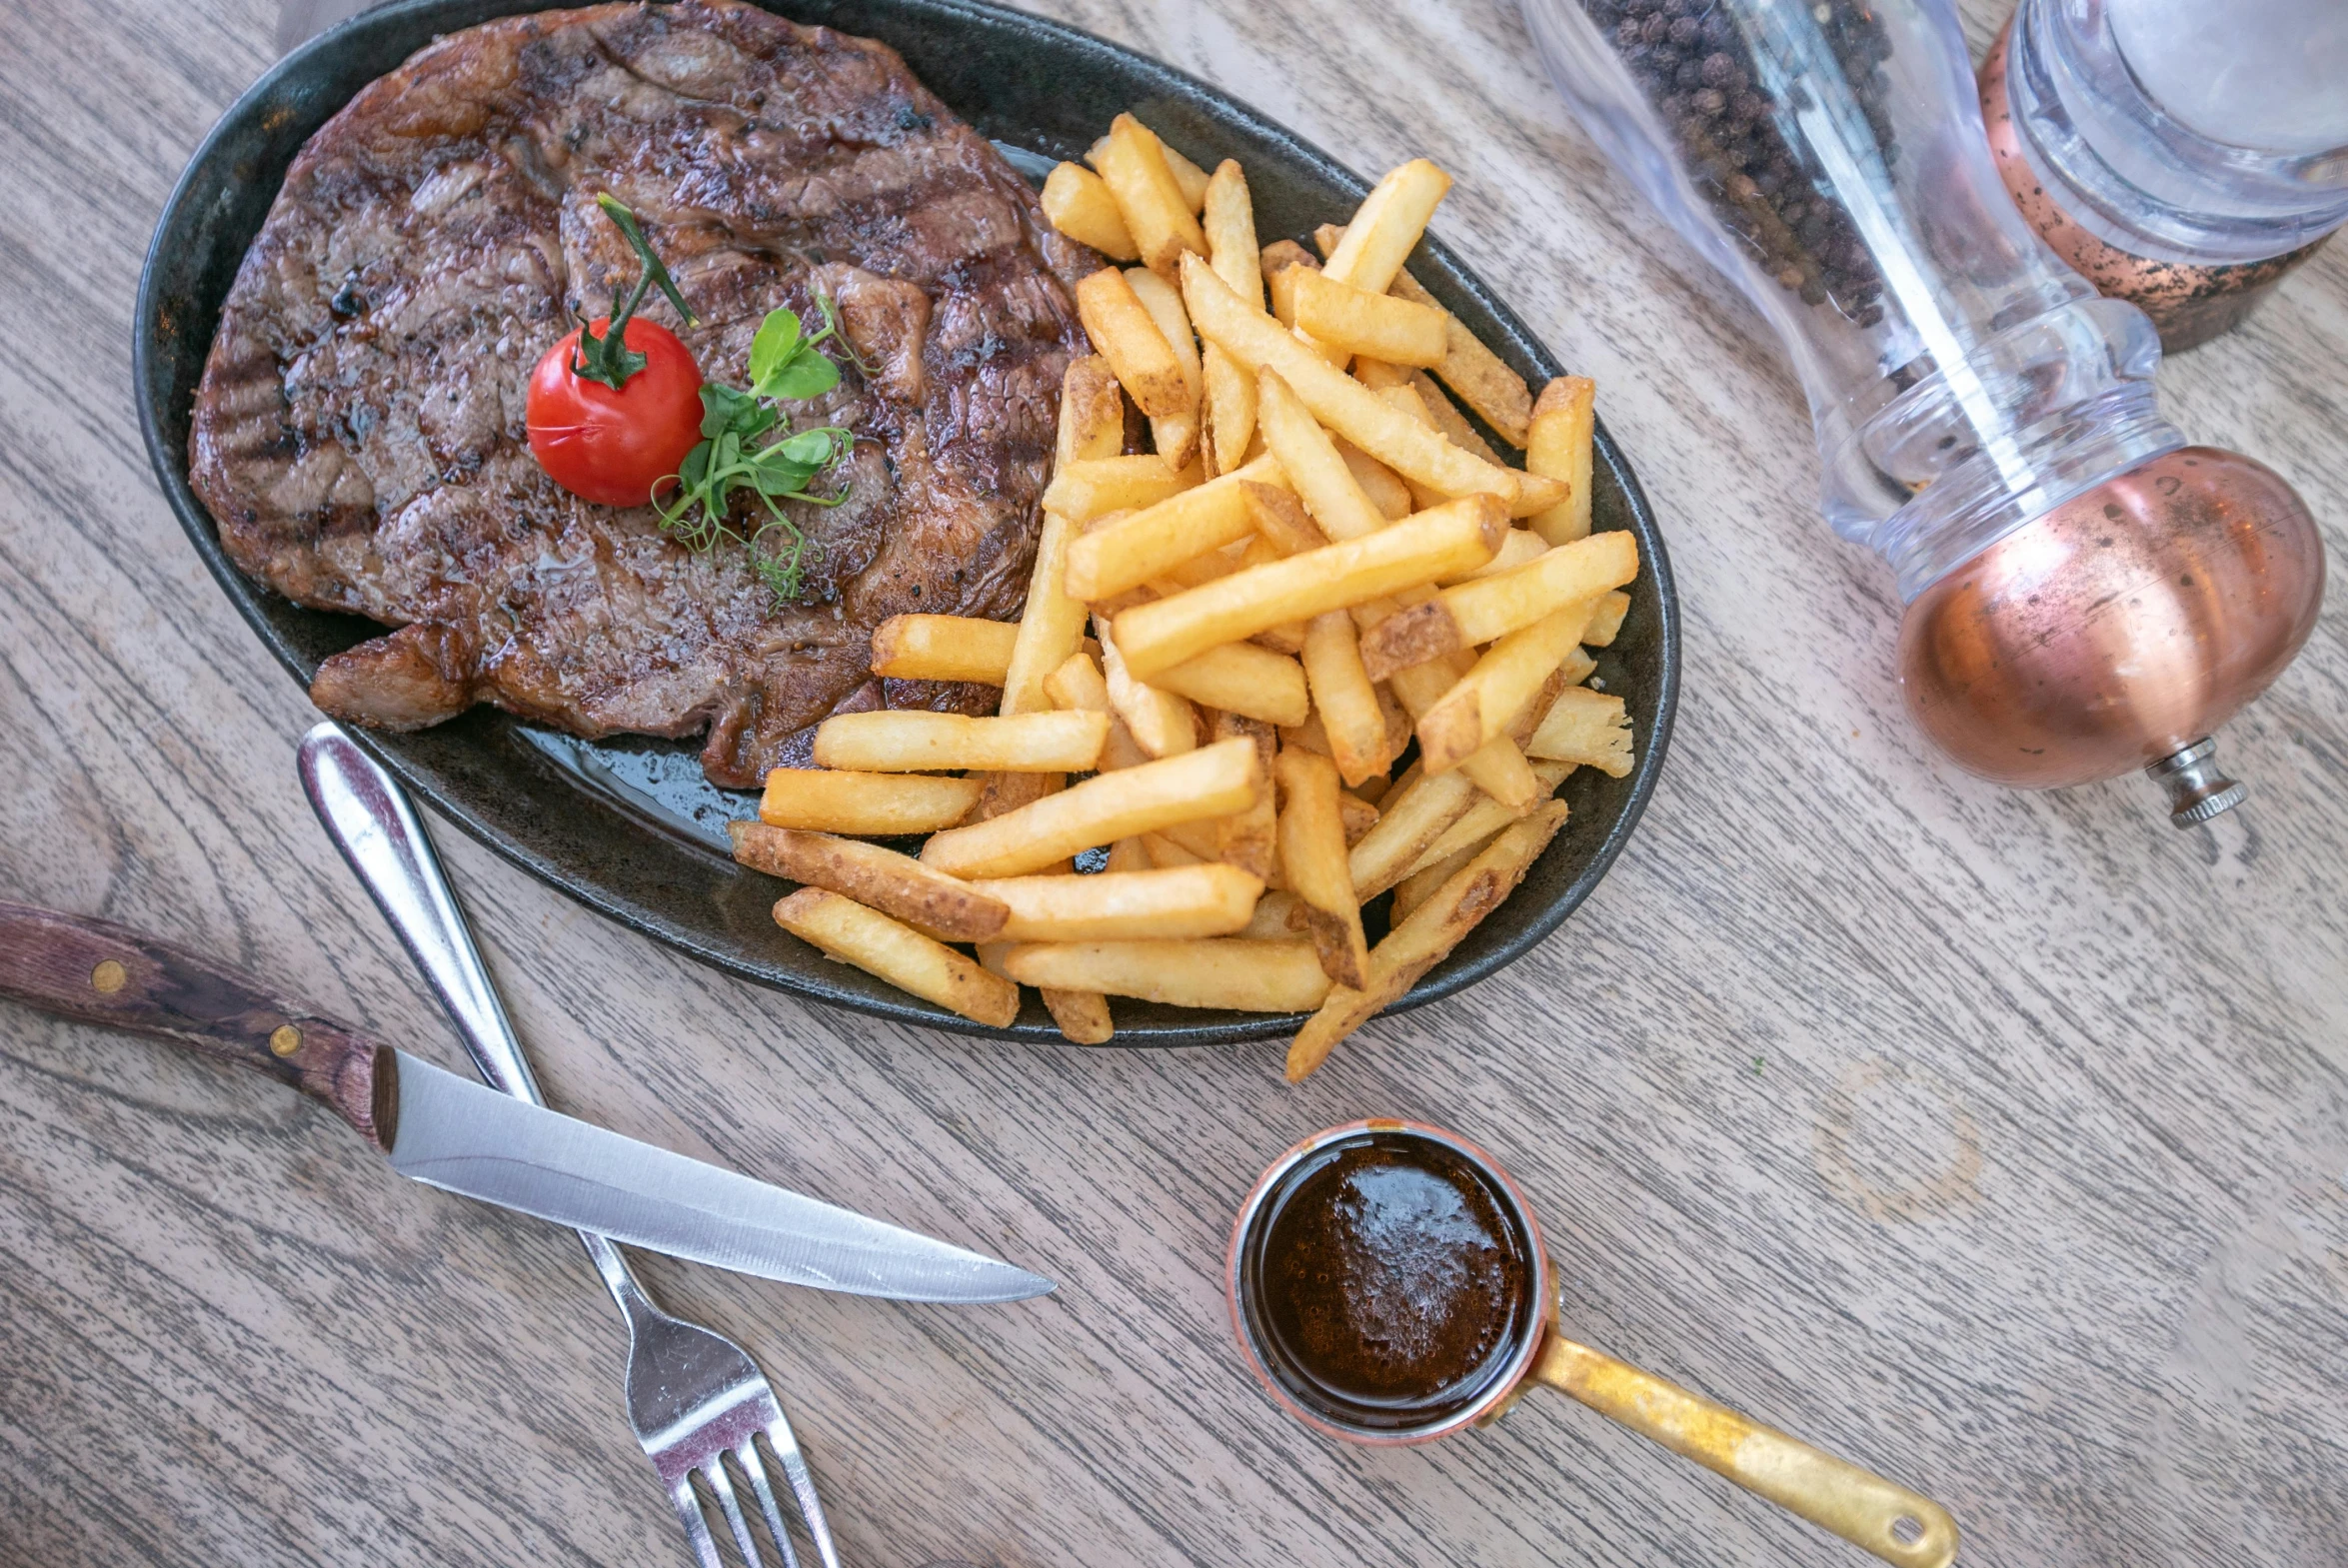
[1394, 1279]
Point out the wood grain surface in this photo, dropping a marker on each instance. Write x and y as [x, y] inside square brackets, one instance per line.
[1996, 1141]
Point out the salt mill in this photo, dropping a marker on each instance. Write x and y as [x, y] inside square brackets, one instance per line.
[2086, 594]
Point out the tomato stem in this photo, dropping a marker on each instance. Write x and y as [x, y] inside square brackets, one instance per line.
[608, 358]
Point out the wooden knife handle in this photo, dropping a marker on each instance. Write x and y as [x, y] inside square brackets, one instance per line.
[101, 973]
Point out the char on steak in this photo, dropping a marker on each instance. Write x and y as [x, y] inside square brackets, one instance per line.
[359, 433]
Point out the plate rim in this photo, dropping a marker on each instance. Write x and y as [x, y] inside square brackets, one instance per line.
[1446, 979]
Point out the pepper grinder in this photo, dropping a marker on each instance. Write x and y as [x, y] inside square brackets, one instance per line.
[2183, 156]
[2086, 594]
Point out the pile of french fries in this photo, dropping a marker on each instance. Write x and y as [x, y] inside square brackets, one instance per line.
[1230, 639]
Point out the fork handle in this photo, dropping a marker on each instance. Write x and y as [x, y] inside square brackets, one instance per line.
[100, 973]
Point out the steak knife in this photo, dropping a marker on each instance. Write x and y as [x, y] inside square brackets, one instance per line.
[459, 1136]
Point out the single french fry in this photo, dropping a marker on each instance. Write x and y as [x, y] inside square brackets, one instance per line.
[1521, 547]
[1354, 724]
[1377, 375]
[1586, 727]
[1161, 722]
[1128, 854]
[1093, 488]
[1281, 520]
[1279, 263]
[1188, 177]
[1225, 971]
[1381, 483]
[1214, 780]
[1347, 408]
[1427, 935]
[1229, 217]
[1559, 444]
[1176, 438]
[1606, 620]
[1271, 920]
[1082, 1017]
[1159, 215]
[898, 953]
[1232, 608]
[944, 648]
[1092, 413]
[1165, 855]
[1354, 321]
[1008, 791]
[911, 740]
[1248, 837]
[1483, 610]
[1107, 560]
[1191, 900]
[1127, 336]
[1240, 678]
[1311, 735]
[1405, 398]
[1479, 707]
[1313, 863]
[877, 804]
[1078, 685]
[1387, 227]
[1230, 412]
[1080, 205]
[1357, 815]
[1497, 394]
[1310, 462]
[896, 885]
[1417, 814]
[1486, 818]
[1050, 628]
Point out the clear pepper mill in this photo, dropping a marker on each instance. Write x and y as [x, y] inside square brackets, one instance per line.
[2086, 594]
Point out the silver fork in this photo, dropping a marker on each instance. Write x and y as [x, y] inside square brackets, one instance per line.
[695, 1397]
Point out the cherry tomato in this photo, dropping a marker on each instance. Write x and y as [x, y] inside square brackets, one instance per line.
[608, 445]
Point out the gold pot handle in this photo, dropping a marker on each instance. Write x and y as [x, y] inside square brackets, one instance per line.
[1883, 1516]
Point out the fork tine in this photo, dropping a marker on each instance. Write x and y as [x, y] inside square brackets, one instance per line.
[748, 1457]
[714, 1472]
[697, 1528]
[803, 1487]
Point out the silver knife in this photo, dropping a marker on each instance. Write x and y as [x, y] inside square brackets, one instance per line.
[453, 1133]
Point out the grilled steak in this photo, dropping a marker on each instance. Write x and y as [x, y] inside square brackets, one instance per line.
[359, 432]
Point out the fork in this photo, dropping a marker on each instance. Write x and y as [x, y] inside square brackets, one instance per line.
[699, 1404]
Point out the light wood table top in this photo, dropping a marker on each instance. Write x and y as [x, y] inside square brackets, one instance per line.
[1996, 1141]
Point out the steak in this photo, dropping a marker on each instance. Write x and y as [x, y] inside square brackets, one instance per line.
[358, 436]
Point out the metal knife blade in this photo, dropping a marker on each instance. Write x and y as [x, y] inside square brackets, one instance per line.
[463, 1137]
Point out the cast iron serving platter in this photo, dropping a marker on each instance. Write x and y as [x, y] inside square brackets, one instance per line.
[629, 827]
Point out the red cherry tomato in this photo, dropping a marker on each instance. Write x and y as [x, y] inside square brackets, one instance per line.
[613, 447]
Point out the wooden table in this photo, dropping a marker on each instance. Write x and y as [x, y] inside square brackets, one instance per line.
[1995, 1141]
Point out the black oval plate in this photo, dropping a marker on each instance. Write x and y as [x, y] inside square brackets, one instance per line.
[629, 828]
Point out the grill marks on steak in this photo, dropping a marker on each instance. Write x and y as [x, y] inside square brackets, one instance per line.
[359, 430]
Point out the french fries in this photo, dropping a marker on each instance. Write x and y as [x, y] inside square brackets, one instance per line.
[1479, 707]
[1308, 568]
[1587, 727]
[1183, 901]
[1487, 608]
[1337, 577]
[903, 741]
[944, 648]
[1214, 780]
[1358, 322]
[1148, 542]
[896, 885]
[1313, 861]
[1159, 215]
[1093, 488]
[1080, 205]
[1252, 977]
[1426, 936]
[877, 806]
[1559, 444]
[1349, 409]
[898, 954]
[1125, 334]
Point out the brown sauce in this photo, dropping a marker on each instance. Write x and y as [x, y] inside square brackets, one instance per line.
[1392, 1280]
